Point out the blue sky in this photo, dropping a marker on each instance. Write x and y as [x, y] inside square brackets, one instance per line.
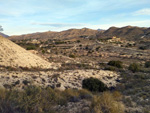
[29, 16]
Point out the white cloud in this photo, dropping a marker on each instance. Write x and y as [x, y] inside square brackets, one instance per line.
[58, 24]
[33, 29]
[145, 11]
[143, 23]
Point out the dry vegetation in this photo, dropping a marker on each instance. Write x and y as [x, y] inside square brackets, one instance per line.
[89, 53]
[37, 100]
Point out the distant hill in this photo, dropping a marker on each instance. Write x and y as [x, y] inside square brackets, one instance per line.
[71, 33]
[100, 30]
[128, 32]
[4, 35]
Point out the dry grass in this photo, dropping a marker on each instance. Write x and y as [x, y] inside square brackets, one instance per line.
[38, 100]
[107, 103]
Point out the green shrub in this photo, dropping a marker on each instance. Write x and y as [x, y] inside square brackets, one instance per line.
[31, 47]
[25, 82]
[143, 47]
[72, 56]
[117, 64]
[147, 64]
[78, 41]
[60, 42]
[97, 48]
[110, 68]
[43, 51]
[94, 84]
[70, 66]
[134, 67]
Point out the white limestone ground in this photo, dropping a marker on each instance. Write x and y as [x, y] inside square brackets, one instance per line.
[54, 79]
[15, 56]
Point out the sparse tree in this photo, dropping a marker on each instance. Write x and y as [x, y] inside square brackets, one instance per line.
[1, 29]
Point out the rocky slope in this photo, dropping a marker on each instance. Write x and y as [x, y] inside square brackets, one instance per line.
[12, 55]
[55, 79]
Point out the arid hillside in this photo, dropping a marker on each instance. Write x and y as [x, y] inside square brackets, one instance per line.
[13, 55]
[130, 33]
[119, 57]
[71, 33]
[127, 32]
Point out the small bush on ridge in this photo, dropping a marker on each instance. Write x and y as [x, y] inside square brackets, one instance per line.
[117, 64]
[147, 64]
[94, 84]
[134, 67]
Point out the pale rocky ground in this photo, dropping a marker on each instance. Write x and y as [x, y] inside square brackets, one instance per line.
[55, 79]
[12, 55]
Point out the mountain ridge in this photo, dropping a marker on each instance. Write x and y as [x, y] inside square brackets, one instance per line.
[127, 32]
[56, 35]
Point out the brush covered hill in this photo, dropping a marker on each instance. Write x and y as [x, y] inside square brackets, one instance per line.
[127, 33]
[130, 33]
[12, 55]
[71, 33]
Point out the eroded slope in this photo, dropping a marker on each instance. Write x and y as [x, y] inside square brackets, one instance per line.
[15, 56]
